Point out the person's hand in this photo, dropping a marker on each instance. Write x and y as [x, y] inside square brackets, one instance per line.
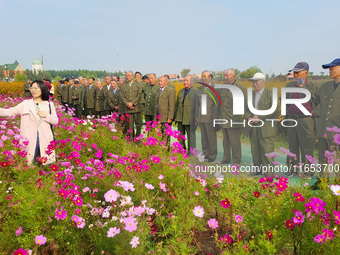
[196, 122]
[116, 108]
[42, 114]
[129, 105]
[169, 121]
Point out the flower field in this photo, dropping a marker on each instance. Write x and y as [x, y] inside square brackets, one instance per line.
[107, 195]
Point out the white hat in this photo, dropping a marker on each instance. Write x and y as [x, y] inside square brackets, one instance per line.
[258, 76]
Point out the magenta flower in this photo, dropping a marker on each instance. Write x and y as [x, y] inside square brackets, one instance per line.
[337, 217]
[320, 239]
[196, 193]
[299, 197]
[198, 211]
[111, 196]
[316, 205]
[60, 214]
[213, 223]
[290, 224]
[337, 138]
[41, 240]
[225, 203]
[238, 218]
[281, 185]
[20, 251]
[134, 242]
[113, 232]
[299, 218]
[328, 233]
[18, 232]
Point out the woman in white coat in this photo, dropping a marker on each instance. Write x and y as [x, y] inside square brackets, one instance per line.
[37, 117]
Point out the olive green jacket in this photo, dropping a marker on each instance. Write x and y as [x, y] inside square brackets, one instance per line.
[213, 106]
[149, 92]
[79, 94]
[227, 106]
[59, 92]
[328, 105]
[113, 98]
[100, 97]
[90, 96]
[64, 93]
[131, 94]
[185, 113]
[166, 101]
[265, 103]
[70, 91]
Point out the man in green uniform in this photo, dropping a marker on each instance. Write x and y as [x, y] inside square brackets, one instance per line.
[106, 88]
[100, 98]
[184, 112]
[206, 120]
[113, 96]
[300, 137]
[70, 91]
[90, 97]
[262, 133]
[64, 92]
[131, 94]
[77, 96]
[149, 92]
[165, 105]
[232, 129]
[328, 100]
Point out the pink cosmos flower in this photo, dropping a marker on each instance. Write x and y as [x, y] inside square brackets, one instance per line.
[20, 251]
[337, 217]
[113, 232]
[18, 232]
[161, 177]
[290, 224]
[149, 186]
[162, 186]
[213, 223]
[134, 242]
[299, 219]
[311, 159]
[41, 240]
[225, 203]
[196, 193]
[328, 233]
[111, 196]
[299, 197]
[238, 218]
[320, 239]
[60, 214]
[281, 185]
[198, 211]
[130, 224]
[337, 138]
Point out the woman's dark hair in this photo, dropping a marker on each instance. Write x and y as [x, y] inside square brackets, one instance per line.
[44, 91]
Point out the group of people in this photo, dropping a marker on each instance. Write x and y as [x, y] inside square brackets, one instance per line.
[136, 97]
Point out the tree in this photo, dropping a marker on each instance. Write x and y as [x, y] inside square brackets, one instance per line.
[322, 73]
[57, 78]
[2, 73]
[20, 77]
[250, 72]
[185, 72]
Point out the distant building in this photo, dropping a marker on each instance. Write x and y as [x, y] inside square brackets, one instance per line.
[37, 65]
[173, 77]
[15, 67]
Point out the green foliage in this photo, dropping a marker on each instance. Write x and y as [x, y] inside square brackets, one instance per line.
[185, 72]
[250, 72]
[20, 77]
[2, 74]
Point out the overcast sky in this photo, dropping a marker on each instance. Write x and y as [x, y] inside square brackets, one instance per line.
[167, 36]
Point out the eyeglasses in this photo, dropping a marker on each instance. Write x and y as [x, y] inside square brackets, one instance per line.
[35, 88]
